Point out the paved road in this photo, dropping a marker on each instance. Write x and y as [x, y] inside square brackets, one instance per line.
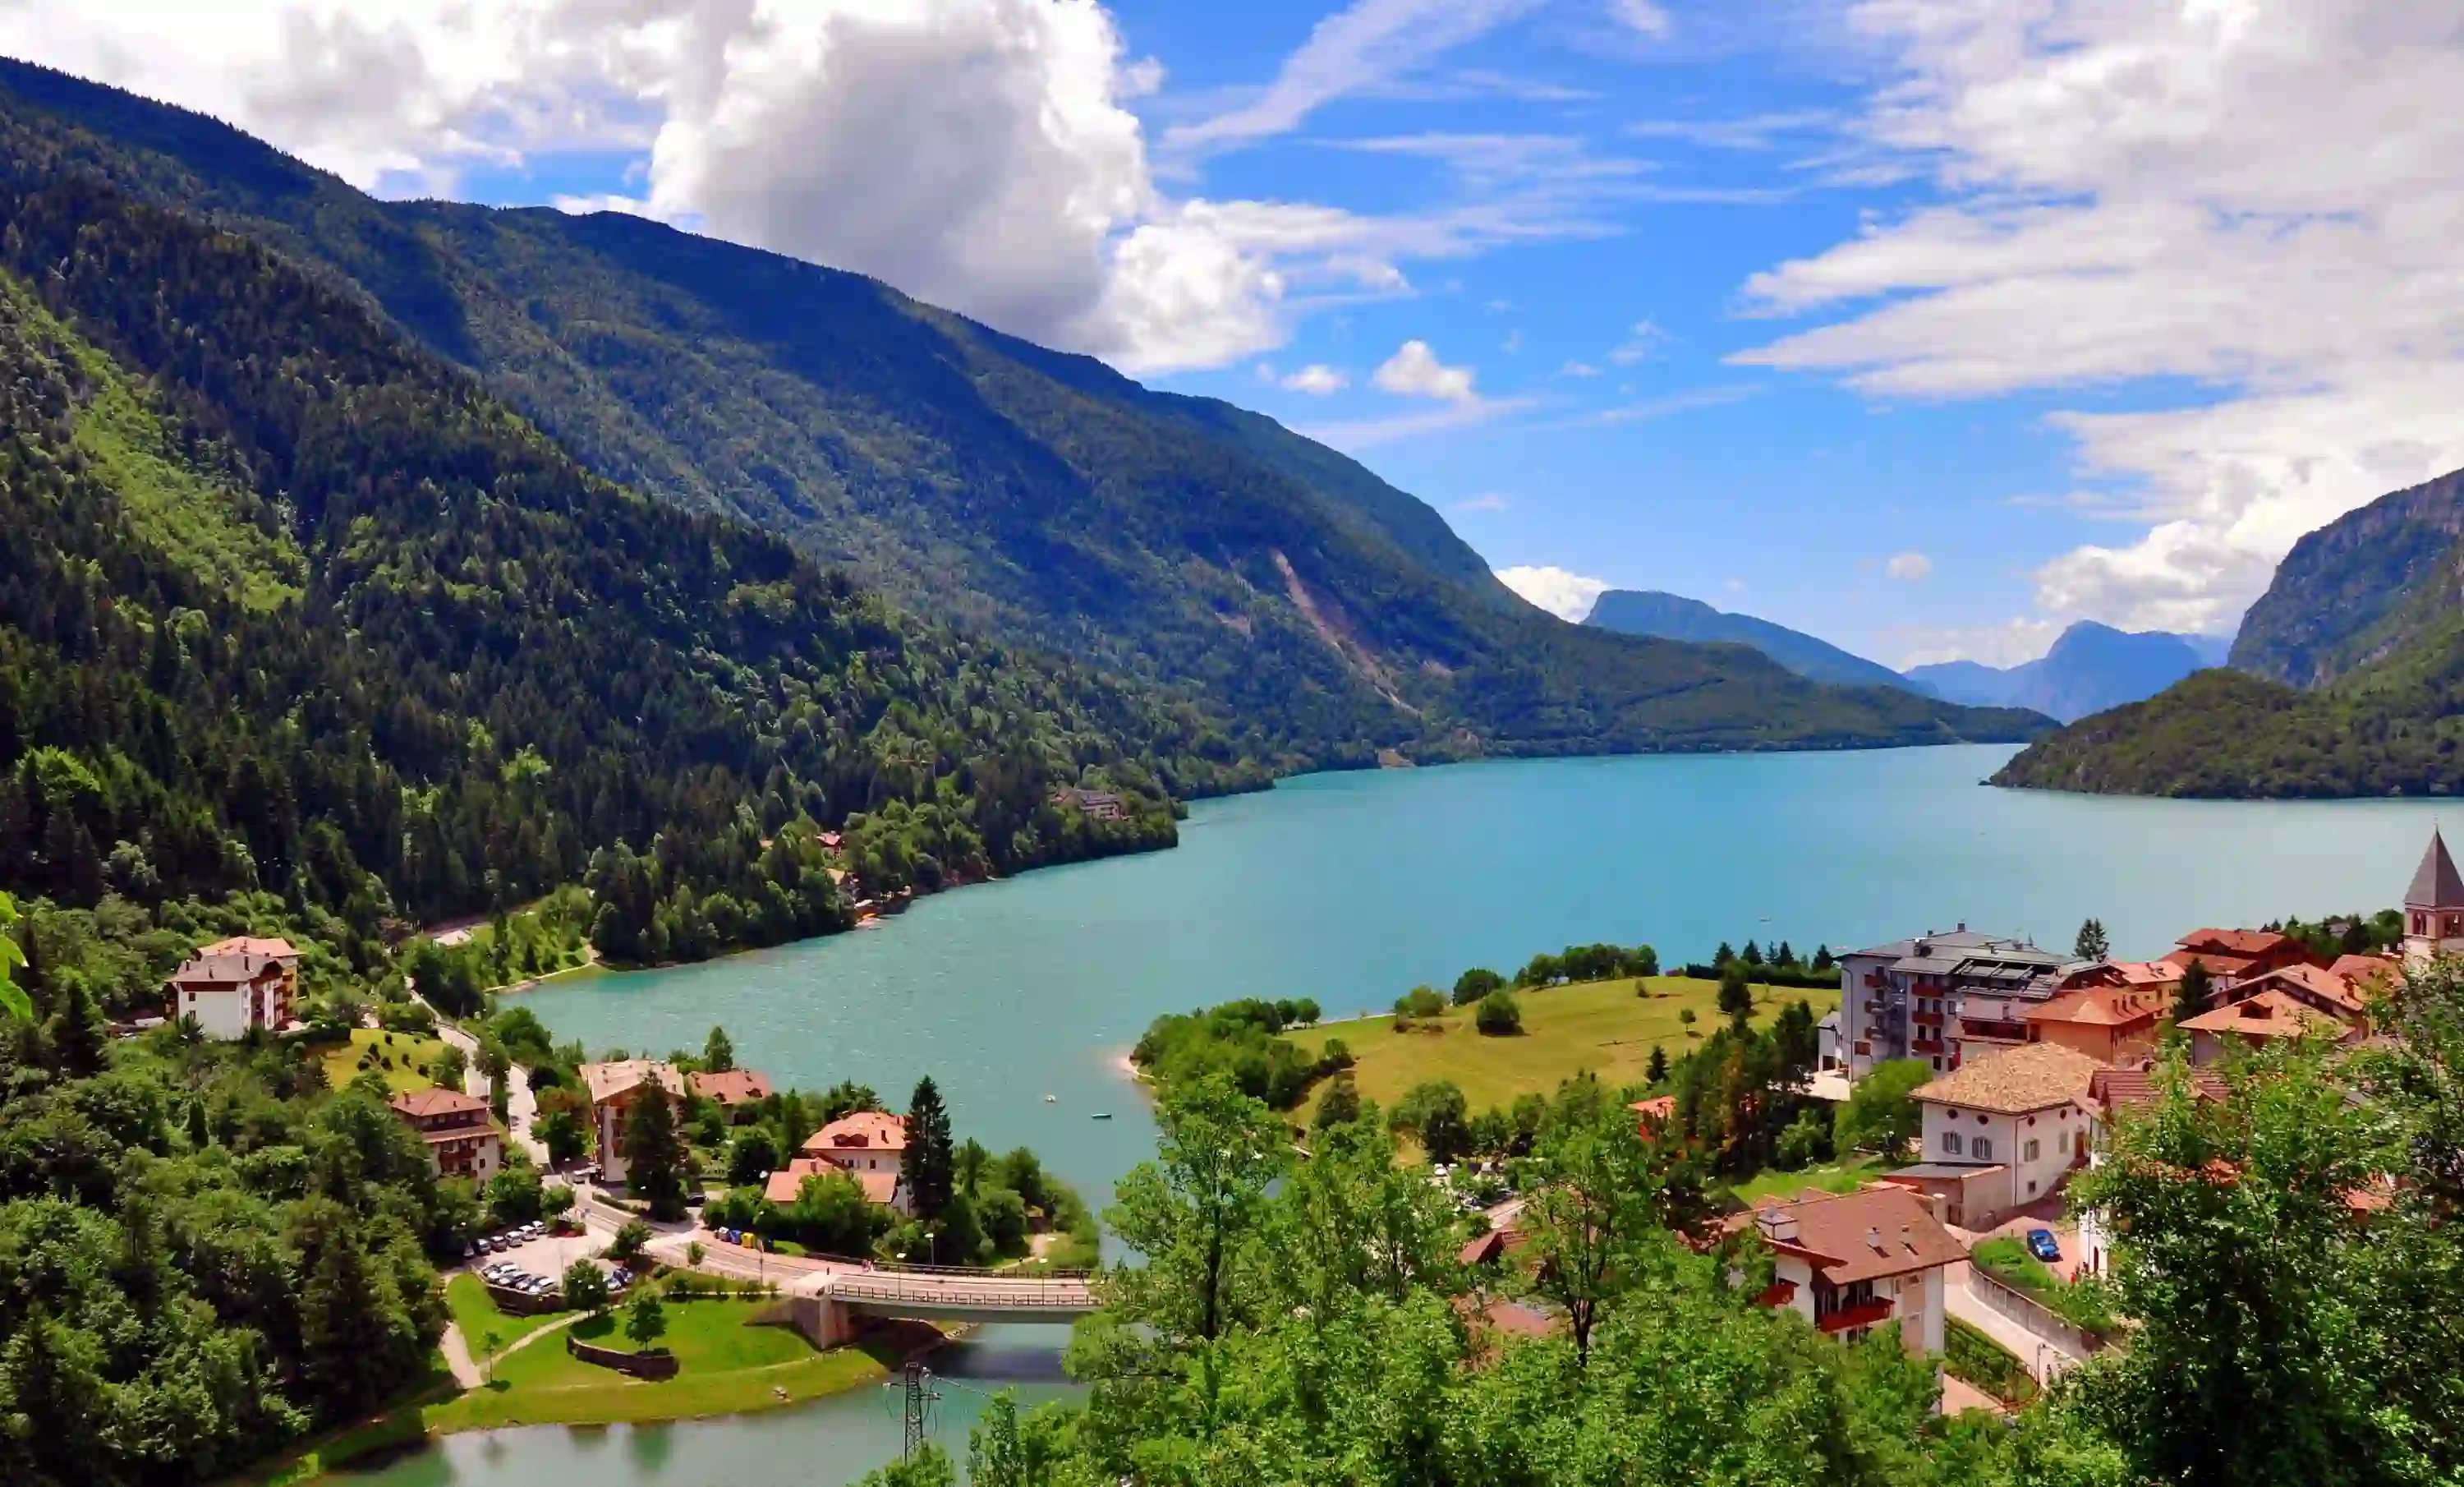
[522, 1106]
[2045, 1357]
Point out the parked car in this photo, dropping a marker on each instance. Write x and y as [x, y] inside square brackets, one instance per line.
[2041, 1245]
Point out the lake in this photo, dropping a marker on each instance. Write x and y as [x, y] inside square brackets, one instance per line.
[1351, 888]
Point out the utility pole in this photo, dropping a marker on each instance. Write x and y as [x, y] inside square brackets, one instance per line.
[921, 1397]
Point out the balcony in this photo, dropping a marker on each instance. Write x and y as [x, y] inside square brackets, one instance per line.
[1864, 1314]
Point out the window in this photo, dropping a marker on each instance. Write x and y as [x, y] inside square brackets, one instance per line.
[2028, 1153]
[1937, 1063]
[1984, 1149]
[1950, 1143]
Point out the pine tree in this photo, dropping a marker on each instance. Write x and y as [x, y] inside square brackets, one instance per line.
[717, 1052]
[656, 1163]
[1656, 1072]
[77, 1035]
[930, 1159]
[2191, 999]
[2092, 943]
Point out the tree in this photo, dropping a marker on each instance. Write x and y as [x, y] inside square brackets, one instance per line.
[1878, 1115]
[929, 1165]
[2190, 998]
[695, 1255]
[1588, 1210]
[1721, 957]
[514, 1194]
[632, 1236]
[586, 1286]
[556, 1201]
[2091, 943]
[449, 1067]
[1305, 1011]
[718, 1052]
[646, 1321]
[1341, 1105]
[1420, 1002]
[1822, 957]
[657, 1165]
[562, 1132]
[1475, 984]
[1197, 1212]
[996, 1453]
[1656, 1072]
[752, 1156]
[958, 1234]
[1751, 954]
[1435, 1112]
[1497, 1015]
[1736, 998]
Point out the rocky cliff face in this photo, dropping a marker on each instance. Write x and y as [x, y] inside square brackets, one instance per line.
[2359, 587]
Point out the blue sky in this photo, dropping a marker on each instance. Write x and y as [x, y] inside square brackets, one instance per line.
[1925, 325]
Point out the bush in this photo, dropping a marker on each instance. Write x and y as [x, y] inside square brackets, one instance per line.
[631, 1240]
[1969, 1355]
[1806, 1141]
[1436, 1112]
[1420, 1002]
[1498, 1015]
[1878, 1114]
[586, 1286]
[1475, 984]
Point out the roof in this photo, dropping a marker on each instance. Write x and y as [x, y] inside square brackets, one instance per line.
[420, 1105]
[1656, 1109]
[2266, 1014]
[2119, 1088]
[205, 972]
[607, 1081]
[251, 944]
[1862, 1235]
[731, 1087]
[2435, 883]
[2101, 1007]
[865, 1130]
[784, 1183]
[1942, 1171]
[2324, 985]
[2233, 942]
[2361, 971]
[2015, 1080]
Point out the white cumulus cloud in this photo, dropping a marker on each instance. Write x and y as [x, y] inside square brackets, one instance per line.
[1413, 371]
[1568, 595]
[2250, 198]
[1910, 567]
[1317, 379]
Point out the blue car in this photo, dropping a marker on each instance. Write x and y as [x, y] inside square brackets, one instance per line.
[2040, 1244]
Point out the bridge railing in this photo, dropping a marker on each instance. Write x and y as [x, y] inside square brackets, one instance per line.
[971, 1272]
[917, 1290]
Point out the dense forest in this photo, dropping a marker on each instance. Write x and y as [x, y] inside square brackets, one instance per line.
[294, 606]
[1305, 611]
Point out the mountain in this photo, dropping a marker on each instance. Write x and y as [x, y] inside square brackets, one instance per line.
[2359, 588]
[2090, 667]
[2348, 677]
[1671, 616]
[293, 606]
[1309, 612]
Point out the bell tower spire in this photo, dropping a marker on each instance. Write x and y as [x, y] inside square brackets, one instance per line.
[2433, 906]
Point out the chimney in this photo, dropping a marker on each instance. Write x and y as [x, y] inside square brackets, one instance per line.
[1874, 1240]
[1778, 1225]
[1909, 1237]
[1963, 926]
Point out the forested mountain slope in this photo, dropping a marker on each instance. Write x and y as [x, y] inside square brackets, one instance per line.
[291, 604]
[2359, 587]
[1312, 612]
[2367, 614]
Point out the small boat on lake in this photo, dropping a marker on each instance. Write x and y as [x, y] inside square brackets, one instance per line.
[1103, 1115]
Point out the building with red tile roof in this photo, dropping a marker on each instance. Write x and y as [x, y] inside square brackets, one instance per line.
[730, 1088]
[613, 1089]
[872, 1145]
[2230, 954]
[1850, 1262]
[2110, 1022]
[230, 993]
[461, 1136]
[2259, 1019]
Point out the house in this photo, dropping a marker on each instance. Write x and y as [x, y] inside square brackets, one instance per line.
[2314, 986]
[2002, 1132]
[2433, 906]
[614, 1088]
[731, 1090]
[231, 993]
[1653, 1114]
[2259, 1019]
[1828, 1048]
[1098, 805]
[462, 1138]
[1938, 997]
[271, 948]
[2116, 1095]
[872, 1145]
[2372, 976]
[2232, 954]
[2112, 1016]
[880, 1188]
[1851, 1262]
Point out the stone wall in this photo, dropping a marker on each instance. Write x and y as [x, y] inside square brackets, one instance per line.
[660, 1364]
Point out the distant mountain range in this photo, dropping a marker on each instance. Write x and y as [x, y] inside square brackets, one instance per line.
[2090, 667]
[2348, 677]
[1632, 611]
[1296, 610]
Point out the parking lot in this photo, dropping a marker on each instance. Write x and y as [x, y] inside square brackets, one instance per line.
[546, 1256]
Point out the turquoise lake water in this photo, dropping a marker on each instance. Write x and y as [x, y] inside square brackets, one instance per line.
[1351, 888]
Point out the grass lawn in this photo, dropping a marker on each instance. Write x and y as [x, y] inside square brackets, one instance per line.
[1836, 1177]
[412, 1058]
[2008, 1260]
[728, 1367]
[477, 1314]
[1601, 1026]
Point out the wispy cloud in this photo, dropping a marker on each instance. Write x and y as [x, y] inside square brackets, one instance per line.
[1317, 379]
[1750, 132]
[1369, 433]
[1489, 501]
